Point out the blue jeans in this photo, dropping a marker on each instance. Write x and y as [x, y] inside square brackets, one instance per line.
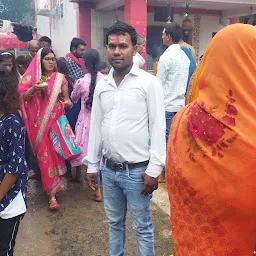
[169, 118]
[122, 188]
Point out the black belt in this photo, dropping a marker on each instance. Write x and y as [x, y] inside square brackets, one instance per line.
[122, 166]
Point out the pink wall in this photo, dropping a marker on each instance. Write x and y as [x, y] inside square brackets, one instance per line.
[84, 22]
[135, 14]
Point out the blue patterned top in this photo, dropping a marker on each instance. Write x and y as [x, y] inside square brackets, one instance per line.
[75, 71]
[12, 157]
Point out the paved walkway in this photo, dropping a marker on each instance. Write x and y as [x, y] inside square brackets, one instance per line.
[80, 228]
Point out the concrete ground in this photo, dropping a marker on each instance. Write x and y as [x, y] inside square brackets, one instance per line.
[80, 227]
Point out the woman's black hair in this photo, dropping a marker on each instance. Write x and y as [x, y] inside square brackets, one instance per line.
[9, 55]
[45, 51]
[120, 28]
[92, 59]
[9, 95]
[62, 66]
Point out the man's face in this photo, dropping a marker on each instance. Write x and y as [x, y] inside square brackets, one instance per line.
[45, 45]
[8, 64]
[120, 51]
[79, 51]
[33, 47]
[33, 50]
[166, 38]
[141, 48]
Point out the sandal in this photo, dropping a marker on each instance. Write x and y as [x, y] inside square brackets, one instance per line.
[53, 204]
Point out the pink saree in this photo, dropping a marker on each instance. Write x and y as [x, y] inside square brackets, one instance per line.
[39, 114]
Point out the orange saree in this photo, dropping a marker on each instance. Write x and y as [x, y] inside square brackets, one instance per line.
[211, 158]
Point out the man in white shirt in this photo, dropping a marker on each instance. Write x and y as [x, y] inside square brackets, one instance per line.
[138, 60]
[128, 129]
[173, 70]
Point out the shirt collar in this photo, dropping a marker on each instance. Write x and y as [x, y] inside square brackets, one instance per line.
[173, 46]
[109, 78]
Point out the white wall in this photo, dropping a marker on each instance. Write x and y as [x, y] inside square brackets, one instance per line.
[43, 26]
[209, 25]
[60, 30]
[64, 29]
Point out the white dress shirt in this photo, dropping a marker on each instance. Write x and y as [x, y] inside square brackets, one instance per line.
[138, 60]
[128, 122]
[173, 69]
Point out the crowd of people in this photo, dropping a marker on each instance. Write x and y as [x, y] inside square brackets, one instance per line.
[133, 129]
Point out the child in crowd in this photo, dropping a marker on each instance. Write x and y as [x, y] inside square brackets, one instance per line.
[84, 88]
[22, 63]
[13, 167]
[103, 68]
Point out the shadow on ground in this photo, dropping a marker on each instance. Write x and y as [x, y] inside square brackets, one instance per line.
[79, 228]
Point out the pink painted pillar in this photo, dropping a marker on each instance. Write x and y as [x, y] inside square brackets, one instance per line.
[84, 27]
[135, 14]
[234, 20]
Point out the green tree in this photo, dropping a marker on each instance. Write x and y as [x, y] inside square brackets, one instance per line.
[17, 11]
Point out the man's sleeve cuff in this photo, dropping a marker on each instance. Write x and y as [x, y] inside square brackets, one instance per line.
[154, 170]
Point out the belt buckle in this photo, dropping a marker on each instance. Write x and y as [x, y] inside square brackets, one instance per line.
[120, 166]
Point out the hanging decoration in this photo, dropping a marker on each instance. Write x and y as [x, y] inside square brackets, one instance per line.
[169, 18]
[187, 24]
[251, 17]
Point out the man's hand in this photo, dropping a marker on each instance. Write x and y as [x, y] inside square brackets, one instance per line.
[150, 184]
[92, 179]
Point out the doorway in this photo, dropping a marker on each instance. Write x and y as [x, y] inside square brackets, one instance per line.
[154, 40]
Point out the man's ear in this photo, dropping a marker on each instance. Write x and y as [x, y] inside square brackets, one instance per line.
[169, 38]
[135, 49]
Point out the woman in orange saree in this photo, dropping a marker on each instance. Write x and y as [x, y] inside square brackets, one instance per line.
[41, 108]
[211, 156]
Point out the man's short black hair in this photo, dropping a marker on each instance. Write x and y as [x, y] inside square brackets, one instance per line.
[76, 42]
[174, 30]
[23, 60]
[46, 39]
[120, 28]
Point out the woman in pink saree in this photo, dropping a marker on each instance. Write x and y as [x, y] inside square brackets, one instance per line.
[42, 106]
